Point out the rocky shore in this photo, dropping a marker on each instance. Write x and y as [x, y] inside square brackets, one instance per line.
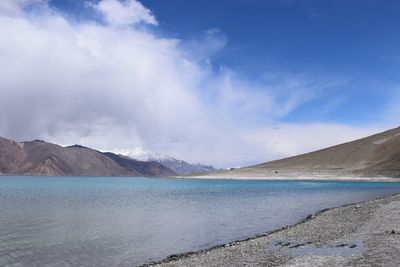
[365, 234]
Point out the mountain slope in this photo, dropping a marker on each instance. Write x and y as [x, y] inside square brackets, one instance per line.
[182, 167]
[376, 155]
[151, 168]
[42, 158]
[373, 155]
[11, 154]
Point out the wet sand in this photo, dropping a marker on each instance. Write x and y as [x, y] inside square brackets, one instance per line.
[365, 234]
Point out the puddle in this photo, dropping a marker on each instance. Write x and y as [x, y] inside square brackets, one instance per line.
[299, 248]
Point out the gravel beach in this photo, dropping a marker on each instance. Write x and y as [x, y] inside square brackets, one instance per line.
[365, 234]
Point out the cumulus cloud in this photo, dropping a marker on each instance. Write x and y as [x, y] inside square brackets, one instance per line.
[127, 12]
[114, 88]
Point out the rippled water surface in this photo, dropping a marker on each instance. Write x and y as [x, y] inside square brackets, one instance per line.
[71, 221]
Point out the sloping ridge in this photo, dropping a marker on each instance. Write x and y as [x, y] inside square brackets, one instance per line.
[151, 167]
[42, 158]
[178, 166]
[11, 154]
[182, 167]
[376, 155]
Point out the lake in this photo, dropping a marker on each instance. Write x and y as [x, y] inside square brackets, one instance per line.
[115, 221]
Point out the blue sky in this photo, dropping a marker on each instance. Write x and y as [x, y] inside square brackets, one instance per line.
[222, 82]
[353, 42]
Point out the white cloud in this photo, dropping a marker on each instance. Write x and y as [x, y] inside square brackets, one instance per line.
[126, 12]
[114, 88]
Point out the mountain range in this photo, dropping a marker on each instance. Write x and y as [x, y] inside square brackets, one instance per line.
[180, 167]
[42, 158]
[374, 156]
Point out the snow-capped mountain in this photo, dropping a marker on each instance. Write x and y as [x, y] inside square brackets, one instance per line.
[180, 167]
[142, 154]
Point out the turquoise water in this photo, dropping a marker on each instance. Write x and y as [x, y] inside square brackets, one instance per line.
[86, 221]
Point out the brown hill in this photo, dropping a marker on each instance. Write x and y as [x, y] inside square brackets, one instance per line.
[42, 158]
[373, 156]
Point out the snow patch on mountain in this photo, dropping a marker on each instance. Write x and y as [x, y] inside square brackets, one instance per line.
[178, 166]
[142, 154]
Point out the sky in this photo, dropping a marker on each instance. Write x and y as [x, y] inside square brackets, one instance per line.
[228, 83]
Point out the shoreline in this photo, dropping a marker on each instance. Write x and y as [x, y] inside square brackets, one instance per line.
[296, 178]
[179, 259]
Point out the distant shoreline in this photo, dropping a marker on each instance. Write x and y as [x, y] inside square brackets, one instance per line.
[349, 222]
[320, 178]
[294, 178]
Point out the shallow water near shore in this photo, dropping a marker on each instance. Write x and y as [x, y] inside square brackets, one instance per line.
[112, 221]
